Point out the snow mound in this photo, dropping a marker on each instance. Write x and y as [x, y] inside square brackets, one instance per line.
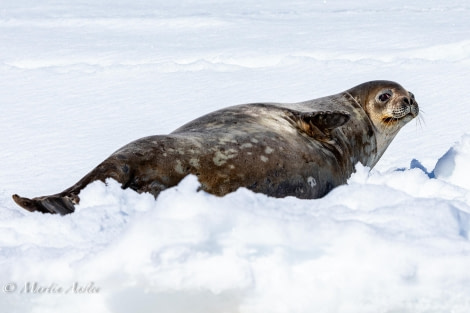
[454, 166]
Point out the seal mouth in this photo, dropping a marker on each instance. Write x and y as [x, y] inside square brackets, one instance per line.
[396, 118]
[407, 109]
[389, 120]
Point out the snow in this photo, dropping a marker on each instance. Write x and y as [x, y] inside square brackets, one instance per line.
[452, 167]
[81, 78]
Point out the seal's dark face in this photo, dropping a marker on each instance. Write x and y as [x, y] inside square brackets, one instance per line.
[398, 106]
[389, 105]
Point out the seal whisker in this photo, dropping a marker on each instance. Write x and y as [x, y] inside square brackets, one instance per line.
[420, 120]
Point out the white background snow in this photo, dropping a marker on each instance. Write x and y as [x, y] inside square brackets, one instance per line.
[79, 79]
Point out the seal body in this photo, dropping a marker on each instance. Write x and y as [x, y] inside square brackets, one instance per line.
[300, 149]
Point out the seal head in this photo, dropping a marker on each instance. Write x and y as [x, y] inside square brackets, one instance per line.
[389, 107]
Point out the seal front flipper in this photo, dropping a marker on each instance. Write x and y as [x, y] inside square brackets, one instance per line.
[49, 204]
[320, 123]
[326, 120]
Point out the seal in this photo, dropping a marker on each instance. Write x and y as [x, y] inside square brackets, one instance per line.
[300, 149]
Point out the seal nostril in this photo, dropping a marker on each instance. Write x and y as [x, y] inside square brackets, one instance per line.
[407, 101]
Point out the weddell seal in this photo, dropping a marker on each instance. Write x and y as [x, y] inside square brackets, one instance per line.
[300, 149]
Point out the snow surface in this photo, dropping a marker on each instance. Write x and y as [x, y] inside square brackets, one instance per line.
[81, 78]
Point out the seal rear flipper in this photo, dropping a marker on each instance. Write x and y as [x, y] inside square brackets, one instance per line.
[49, 204]
[320, 122]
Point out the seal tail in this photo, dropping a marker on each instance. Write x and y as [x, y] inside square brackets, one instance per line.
[55, 204]
[64, 202]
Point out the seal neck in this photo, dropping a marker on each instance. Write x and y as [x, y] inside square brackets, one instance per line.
[367, 135]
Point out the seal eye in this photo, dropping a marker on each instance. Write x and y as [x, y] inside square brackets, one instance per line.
[385, 96]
